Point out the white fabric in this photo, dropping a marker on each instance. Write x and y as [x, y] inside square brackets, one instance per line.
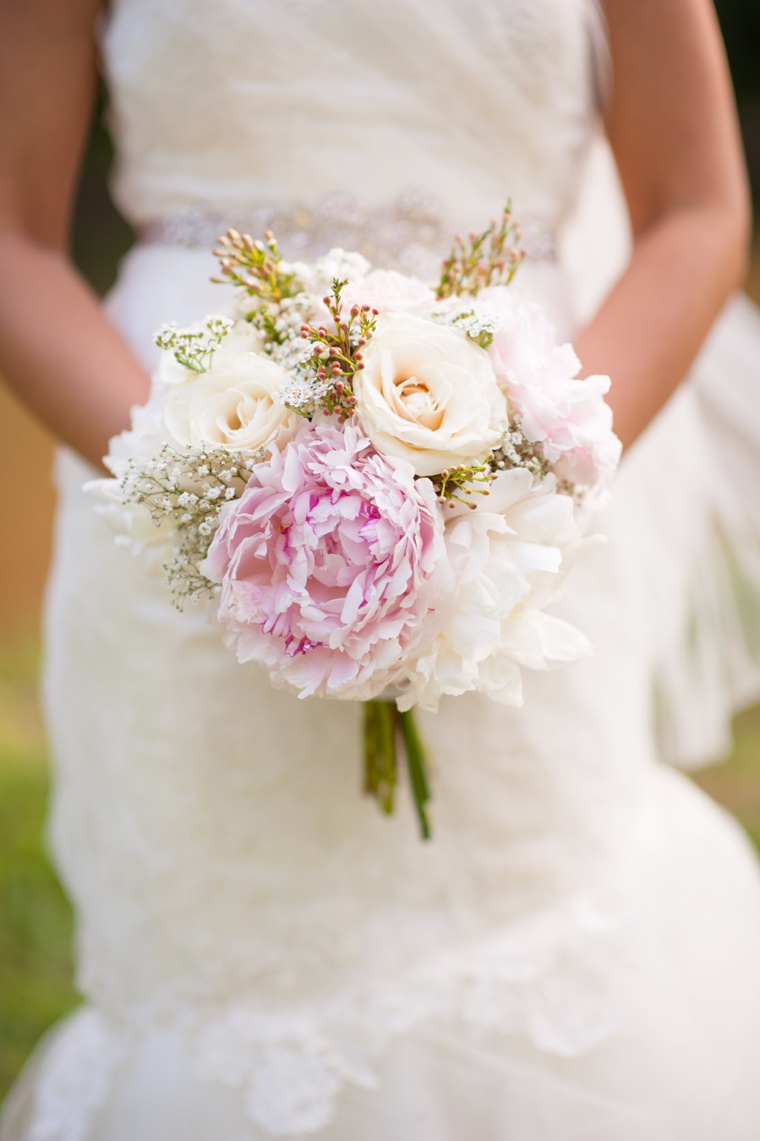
[406, 93]
[574, 956]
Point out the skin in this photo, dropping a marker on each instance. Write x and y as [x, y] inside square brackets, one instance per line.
[57, 350]
[671, 122]
[674, 132]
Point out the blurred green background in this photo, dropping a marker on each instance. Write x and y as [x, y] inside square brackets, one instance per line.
[35, 921]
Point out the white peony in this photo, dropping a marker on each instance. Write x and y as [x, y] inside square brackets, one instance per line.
[141, 441]
[508, 557]
[428, 395]
[234, 405]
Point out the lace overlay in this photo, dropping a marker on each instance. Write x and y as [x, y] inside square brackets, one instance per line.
[75, 1080]
[286, 1069]
[554, 977]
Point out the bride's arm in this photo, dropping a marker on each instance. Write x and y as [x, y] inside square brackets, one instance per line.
[672, 126]
[56, 348]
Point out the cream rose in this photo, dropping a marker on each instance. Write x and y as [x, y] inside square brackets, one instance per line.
[234, 406]
[428, 395]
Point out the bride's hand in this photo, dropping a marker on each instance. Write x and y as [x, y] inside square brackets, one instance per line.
[672, 124]
[56, 348]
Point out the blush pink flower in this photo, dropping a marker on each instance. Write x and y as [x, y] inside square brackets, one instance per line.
[567, 416]
[329, 564]
[389, 291]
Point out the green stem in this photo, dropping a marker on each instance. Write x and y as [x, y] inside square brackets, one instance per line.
[382, 723]
[417, 767]
[380, 752]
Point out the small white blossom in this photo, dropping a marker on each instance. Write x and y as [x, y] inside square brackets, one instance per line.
[185, 505]
[479, 327]
[304, 393]
[340, 263]
[193, 348]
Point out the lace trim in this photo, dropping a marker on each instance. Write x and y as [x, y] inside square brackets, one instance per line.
[287, 1069]
[75, 1078]
[555, 977]
[410, 233]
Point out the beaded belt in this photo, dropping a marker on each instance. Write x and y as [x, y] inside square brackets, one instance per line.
[410, 233]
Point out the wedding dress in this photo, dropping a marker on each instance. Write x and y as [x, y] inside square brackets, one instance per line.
[576, 953]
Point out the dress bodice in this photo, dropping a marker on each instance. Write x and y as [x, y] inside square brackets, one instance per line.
[242, 102]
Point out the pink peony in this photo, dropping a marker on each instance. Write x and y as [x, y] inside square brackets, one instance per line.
[567, 416]
[329, 564]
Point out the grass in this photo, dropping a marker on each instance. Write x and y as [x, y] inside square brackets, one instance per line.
[35, 918]
[736, 784]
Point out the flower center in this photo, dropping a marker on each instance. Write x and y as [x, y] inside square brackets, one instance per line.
[418, 402]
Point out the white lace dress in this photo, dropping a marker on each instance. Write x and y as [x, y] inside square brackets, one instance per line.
[576, 954]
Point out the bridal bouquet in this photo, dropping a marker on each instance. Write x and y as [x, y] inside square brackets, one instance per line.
[377, 482]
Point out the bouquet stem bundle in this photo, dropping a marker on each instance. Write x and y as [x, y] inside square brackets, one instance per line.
[388, 731]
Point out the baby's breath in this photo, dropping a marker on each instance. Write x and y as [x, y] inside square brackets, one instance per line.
[516, 450]
[479, 327]
[194, 348]
[188, 490]
[279, 322]
[306, 392]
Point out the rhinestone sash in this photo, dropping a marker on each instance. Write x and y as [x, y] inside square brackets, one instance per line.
[411, 233]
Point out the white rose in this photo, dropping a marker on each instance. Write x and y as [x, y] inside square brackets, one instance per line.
[235, 405]
[385, 289]
[428, 395]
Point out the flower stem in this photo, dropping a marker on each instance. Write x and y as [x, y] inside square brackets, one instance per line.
[380, 752]
[383, 724]
[417, 768]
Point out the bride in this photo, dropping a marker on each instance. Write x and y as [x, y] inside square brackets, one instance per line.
[260, 954]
